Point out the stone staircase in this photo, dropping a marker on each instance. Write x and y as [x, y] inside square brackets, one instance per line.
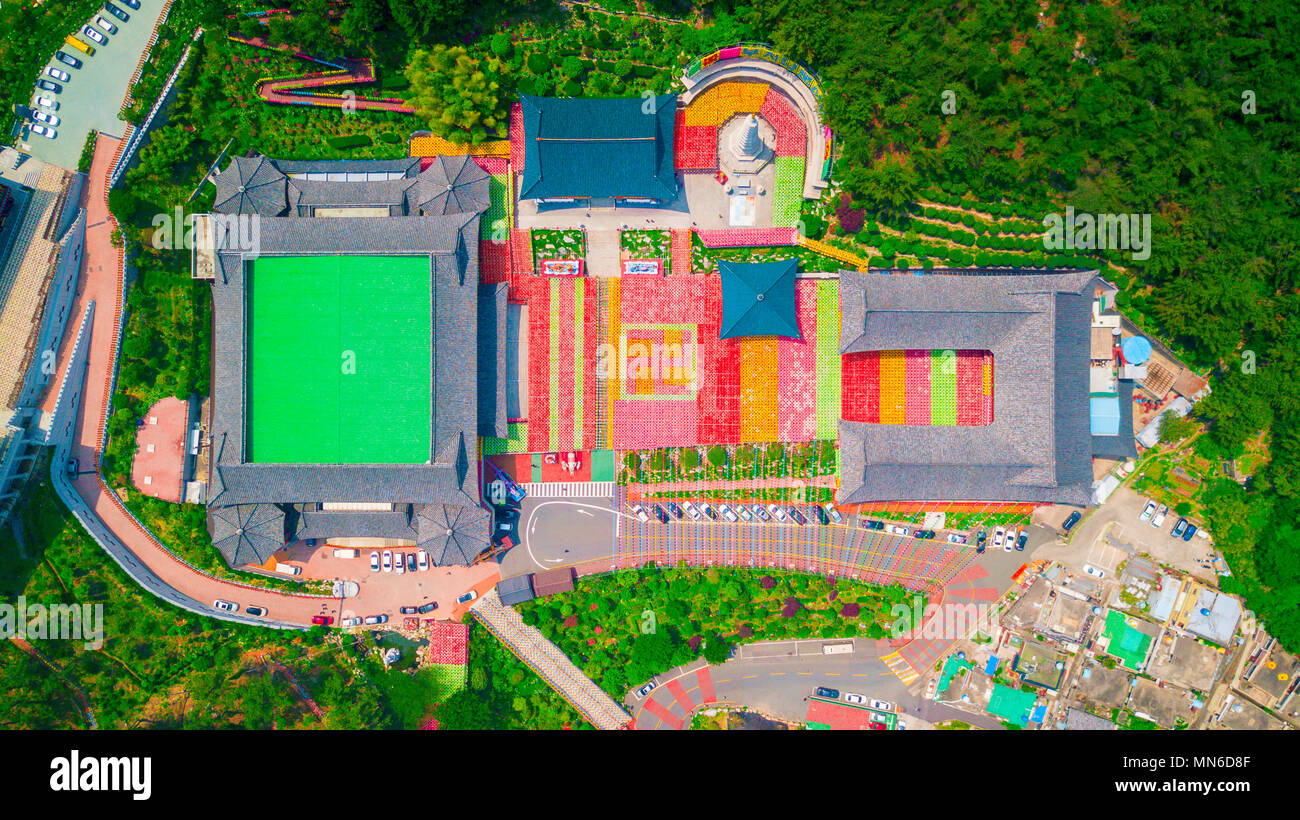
[546, 659]
[603, 253]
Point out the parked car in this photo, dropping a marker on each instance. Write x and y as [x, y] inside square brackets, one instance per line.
[58, 74]
[94, 34]
[226, 606]
[67, 59]
[422, 559]
[647, 689]
[467, 597]
[661, 514]
[1189, 532]
[106, 25]
[48, 102]
[427, 608]
[351, 622]
[46, 85]
[826, 692]
[999, 535]
[1009, 543]
[979, 547]
[956, 538]
[833, 512]
[399, 566]
[878, 727]
[745, 514]
[371, 620]
[258, 611]
[1021, 540]
[674, 509]
[796, 515]
[822, 517]
[1147, 511]
[926, 535]
[44, 131]
[134, 4]
[1071, 521]
[1093, 571]
[708, 510]
[873, 524]
[760, 512]
[1158, 519]
[727, 513]
[408, 610]
[777, 513]
[691, 510]
[374, 562]
[388, 561]
[854, 697]
[882, 705]
[897, 529]
[640, 513]
[322, 620]
[116, 12]
[410, 562]
[1179, 528]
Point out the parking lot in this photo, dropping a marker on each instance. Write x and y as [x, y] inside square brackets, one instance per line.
[92, 98]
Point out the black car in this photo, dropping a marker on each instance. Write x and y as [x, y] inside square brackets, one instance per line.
[822, 517]
[135, 4]
[427, 608]
[116, 12]
[796, 515]
[674, 509]
[661, 514]
[925, 535]
[67, 59]
[47, 85]
[255, 610]
[1071, 521]
[408, 610]
[824, 692]
[873, 524]
[1021, 541]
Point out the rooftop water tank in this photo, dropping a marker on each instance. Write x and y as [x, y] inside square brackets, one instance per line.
[1136, 349]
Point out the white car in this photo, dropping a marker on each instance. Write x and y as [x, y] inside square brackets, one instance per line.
[727, 513]
[1147, 511]
[897, 530]
[105, 25]
[956, 538]
[422, 559]
[48, 102]
[1093, 571]
[776, 512]
[388, 561]
[1158, 519]
[48, 119]
[399, 565]
[94, 35]
[1010, 543]
[999, 535]
[691, 510]
[833, 513]
[374, 562]
[853, 697]
[882, 705]
[58, 74]
[467, 597]
[376, 619]
[745, 514]
[226, 606]
[647, 689]
[350, 622]
[640, 513]
[48, 133]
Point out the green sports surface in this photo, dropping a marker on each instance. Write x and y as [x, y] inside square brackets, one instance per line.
[338, 360]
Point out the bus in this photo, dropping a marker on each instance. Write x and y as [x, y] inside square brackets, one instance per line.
[88, 50]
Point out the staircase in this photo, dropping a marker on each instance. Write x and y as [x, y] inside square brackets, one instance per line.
[603, 253]
[547, 660]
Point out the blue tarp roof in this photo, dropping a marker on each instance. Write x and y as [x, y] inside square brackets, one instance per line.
[1104, 414]
[758, 299]
[598, 148]
[991, 667]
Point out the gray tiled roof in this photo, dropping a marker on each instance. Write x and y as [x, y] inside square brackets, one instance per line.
[492, 309]
[452, 534]
[323, 524]
[247, 533]
[251, 185]
[1036, 326]
[410, 166]
[452, 184]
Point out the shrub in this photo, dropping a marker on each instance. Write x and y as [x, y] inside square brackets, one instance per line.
[348, 141]
[538, 63]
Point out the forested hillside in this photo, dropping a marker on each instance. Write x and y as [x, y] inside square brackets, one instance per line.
[1128, 107]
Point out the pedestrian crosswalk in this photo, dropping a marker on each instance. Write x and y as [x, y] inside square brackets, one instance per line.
[901, 668]
[569, 489]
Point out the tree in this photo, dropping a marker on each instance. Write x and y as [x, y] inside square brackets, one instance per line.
[421, 18]
[357, 28]
[716, 649]
[1175, 428]
[458, 95]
